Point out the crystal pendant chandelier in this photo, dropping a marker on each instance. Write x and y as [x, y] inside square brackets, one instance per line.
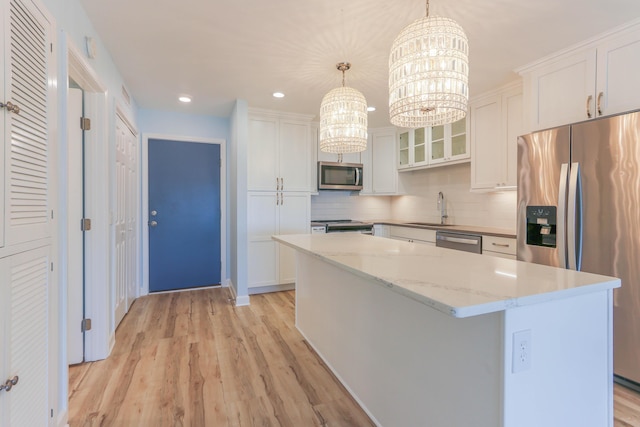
[429, 73]
[343, 119]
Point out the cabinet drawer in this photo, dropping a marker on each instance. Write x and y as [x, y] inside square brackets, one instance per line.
[413, 233]
[503, 245]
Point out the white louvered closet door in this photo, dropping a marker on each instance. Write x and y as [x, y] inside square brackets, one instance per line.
[27, 356]
[25, 36]
[27, 213]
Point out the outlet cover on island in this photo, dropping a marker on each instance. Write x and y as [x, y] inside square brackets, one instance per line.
[521, 351]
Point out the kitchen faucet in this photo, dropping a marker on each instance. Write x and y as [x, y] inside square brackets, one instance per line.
[442, 207]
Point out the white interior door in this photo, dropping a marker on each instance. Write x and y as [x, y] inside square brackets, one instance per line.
[131, 211]
[126, 218]
[75, 251]
[120, 308]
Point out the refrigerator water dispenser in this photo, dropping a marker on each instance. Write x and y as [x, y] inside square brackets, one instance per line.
[541, 226]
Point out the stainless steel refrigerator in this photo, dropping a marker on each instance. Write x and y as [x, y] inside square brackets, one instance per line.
[579, 208]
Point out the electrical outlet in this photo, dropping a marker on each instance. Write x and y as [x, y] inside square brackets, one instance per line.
[521, 351]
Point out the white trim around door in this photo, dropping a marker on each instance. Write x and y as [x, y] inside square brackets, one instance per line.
[145, 201]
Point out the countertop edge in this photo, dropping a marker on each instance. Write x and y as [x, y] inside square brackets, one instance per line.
[467, 311]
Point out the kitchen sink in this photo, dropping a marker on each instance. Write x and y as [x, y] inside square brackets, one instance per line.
[429, 224]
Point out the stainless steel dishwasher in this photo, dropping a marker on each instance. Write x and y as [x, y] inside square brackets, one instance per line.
[459, 241]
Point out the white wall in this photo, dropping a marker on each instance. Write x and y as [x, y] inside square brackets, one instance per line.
[238, 201]
[463, 207]
[348, 205]
[183, 124]
[171, 124]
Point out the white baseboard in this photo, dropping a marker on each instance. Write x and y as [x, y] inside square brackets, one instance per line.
[240, 300]
[63, 419]
[112, 342]
[272, 288]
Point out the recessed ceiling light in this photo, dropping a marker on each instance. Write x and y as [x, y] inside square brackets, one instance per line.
[184, 98]
[372, 108]
[278, 95]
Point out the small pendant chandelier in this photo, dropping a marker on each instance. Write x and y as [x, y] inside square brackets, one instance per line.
[343, 119]
[429, 73]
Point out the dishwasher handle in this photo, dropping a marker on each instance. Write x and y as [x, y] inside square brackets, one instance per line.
[459, 240]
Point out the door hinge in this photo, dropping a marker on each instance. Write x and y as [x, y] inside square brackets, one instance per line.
[51, 213]
[85, 325]
[51, 266]
[85, 123]
[85, 224]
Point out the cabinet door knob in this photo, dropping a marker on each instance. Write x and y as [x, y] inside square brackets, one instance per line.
[589, 98]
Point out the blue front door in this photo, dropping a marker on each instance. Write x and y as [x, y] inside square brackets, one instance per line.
[184, 215]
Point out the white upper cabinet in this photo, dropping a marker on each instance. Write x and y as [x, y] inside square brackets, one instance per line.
[618, 85]
[333, 157]
[435, 146]
[495, 124]
[597, 79]
[294, 156]
[279, 153]
[562, 92]
[263, 151]
[379, 166]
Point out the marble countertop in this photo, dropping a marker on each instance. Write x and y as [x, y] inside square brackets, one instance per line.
[457, 283]
[487, 231]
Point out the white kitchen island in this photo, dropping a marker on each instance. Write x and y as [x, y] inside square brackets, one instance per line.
[424, 336]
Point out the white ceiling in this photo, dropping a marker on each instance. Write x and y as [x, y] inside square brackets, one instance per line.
[221, 50]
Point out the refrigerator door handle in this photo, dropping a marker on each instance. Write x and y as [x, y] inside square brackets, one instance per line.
[562, 216]
[574, 218]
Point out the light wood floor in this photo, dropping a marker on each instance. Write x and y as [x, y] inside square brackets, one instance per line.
[192, 359]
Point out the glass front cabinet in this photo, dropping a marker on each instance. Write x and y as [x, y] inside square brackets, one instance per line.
[438, 145]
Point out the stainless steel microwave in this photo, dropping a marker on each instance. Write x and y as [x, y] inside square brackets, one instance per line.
[339, 176]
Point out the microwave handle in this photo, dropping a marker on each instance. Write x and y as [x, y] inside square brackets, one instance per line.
[357, 176]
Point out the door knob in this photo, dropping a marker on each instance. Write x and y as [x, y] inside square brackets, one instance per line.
[7, 386]
[11, 107]
[154, 213]
[153, 223]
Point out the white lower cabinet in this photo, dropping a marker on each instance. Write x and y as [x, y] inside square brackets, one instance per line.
[24, 337]
[501, 247]
[380, 230]
[271, 213]
[414, 235]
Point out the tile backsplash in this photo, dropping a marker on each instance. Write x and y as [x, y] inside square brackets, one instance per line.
[348, 205]
[420, 201]
[463, 207]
